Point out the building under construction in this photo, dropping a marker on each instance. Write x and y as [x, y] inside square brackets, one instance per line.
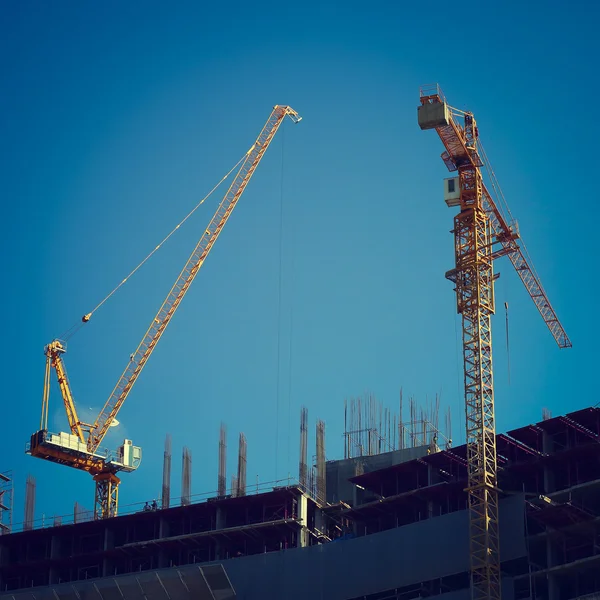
[379, 524]
[405, 514]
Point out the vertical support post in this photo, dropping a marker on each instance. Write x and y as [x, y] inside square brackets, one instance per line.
[165, 500]
[303, 469]
[222, 478]
[29, 503]
[302, 539]
[54, 554]
[108, 560]
[242, 460]
[186, 477]
[321, 490]
[107, 495]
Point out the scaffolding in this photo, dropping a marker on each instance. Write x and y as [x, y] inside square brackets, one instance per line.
[6, 502]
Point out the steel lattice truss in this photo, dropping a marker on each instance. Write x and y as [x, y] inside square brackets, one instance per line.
[107, 495]
[475, 302]
[479, 228]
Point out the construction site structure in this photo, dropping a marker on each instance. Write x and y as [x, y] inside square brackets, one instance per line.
[242, 466]
[29, 516]
[186, 476]
[222, 476]
[302, 463]
[6, 502]
[166, 482]
[481, 234]
[280, 542]
[81, 447]
[371, 428]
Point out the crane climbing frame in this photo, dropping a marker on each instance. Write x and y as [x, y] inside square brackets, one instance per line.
[84, 453]
[481, 235]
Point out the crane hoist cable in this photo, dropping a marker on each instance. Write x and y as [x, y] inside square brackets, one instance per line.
[69, 333]
[507, 340]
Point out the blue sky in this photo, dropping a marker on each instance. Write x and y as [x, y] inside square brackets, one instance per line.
[118, 117]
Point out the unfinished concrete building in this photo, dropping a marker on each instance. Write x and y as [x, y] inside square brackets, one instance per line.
[394, 526]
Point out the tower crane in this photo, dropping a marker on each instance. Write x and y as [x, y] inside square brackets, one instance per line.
[81, 448]
[481, 235]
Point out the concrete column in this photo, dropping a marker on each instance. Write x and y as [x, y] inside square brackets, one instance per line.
[163, 528]
[553, 591]
[109, 544]
[221, 523]
[319, 519]
[54, 553]
[548, 448]
[163, 532]
[303, 518]
[429, 482]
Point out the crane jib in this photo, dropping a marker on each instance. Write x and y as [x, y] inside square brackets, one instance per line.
[187, 275]
[72, 449]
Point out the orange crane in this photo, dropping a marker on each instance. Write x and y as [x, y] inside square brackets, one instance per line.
[80, 448]
[481, 235]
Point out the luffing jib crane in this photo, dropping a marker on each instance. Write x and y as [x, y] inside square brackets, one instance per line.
[481, 234]
[80, 448]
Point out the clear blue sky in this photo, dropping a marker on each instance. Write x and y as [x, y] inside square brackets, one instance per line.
[118, 116]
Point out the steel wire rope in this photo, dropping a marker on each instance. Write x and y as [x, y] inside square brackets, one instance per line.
[291, 293]
[69, 333]
[278, 378]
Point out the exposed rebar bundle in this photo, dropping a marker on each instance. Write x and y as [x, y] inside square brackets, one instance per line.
[186, 477]
[166, 483]
[370, 428]
[222, 478]
[241, 474]
[303, 472]
[29, 503]
[321, 491]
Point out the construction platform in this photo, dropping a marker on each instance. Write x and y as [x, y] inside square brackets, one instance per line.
[394, 526]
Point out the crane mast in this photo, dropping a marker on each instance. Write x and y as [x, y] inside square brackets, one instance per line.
[481, 235]
[73, 449]
[474, 280]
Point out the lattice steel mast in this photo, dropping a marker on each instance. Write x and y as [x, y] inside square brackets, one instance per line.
[478, 227]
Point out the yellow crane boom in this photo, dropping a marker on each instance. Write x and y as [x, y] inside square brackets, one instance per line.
[187, 275]
[72, 449]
